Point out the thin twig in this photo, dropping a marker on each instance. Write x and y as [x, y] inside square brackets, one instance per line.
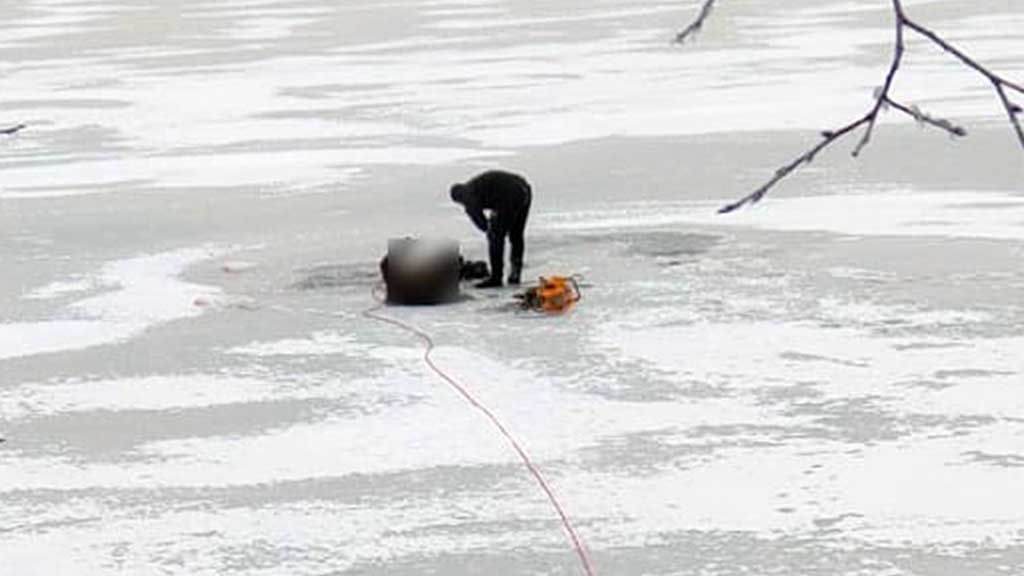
[698, 23]
[1000, 84]
[959, 54]
[884, 100]
[12, 129]
[883, 94]
[923, 118]
[828, 137]
[1012, 110]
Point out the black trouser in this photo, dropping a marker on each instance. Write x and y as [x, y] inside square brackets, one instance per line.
[512, 224]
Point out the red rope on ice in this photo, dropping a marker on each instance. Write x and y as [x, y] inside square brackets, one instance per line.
[577, 542]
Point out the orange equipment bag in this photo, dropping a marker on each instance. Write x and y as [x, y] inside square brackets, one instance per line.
[553, 294]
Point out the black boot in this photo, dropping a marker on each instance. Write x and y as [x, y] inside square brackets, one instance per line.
[492, 282]
[515, 274]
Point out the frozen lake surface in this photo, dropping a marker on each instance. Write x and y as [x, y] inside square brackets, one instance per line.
[830, 383]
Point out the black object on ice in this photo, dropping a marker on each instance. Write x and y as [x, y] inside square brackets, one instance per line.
[474, 270]
[420, 272]
[508, 197]
[12, 129]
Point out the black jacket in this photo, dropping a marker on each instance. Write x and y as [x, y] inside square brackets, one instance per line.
[502, 192]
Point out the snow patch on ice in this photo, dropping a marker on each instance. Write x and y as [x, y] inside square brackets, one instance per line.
[141, 292]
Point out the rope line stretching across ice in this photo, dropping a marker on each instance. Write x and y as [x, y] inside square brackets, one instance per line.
[577, 543]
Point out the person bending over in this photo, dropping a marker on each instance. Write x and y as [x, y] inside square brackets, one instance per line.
[507, 197]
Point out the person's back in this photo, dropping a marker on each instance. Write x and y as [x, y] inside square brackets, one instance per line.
[499, 190]
[508, 197]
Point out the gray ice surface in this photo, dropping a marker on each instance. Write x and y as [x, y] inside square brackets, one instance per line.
[829, 383]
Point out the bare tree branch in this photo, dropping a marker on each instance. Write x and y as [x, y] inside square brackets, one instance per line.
[955, 52]
[922, 117]
[883, 100]
[698, 23]
[882, 94]
[1012, 110]
[1000, 84]
[12, 129]
[828, 137]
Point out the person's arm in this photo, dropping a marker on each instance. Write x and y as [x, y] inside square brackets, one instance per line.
[476, 214]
